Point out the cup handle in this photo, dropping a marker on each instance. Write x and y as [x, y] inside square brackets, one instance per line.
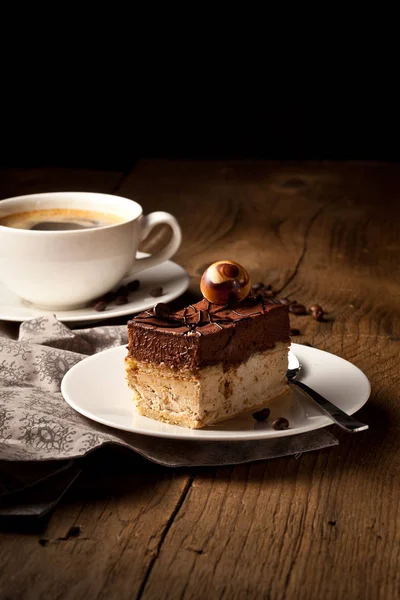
[147, 224]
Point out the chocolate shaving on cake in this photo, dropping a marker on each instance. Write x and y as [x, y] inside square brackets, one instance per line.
[166, 319]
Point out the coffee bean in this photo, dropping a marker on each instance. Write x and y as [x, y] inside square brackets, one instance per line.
[161, 311]
[109, 297]
[273, 301]
[262, 415]
[294, 332]
[269, 293]
[122, 291]
[156, 292]
[120, 300]
[317, 312]
[280, 423]
[100, 306]
[297, 309]
[133, 285]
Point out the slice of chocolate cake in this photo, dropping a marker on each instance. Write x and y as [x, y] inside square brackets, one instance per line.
[208, 362]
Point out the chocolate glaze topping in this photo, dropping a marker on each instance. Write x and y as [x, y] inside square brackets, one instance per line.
[205, 334]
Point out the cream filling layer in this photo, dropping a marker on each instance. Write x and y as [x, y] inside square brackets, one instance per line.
[212, 394]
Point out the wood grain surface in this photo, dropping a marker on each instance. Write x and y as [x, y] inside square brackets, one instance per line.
[321, 526]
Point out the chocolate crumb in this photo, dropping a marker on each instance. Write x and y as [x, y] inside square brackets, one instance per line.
[100, 306]
[262, 415]
[133, 285]
[280, 424]
[156, 292]
[120, 300]
[317, 312]
[294, 332]
[333, 523]
[43, 542]
[297, 309]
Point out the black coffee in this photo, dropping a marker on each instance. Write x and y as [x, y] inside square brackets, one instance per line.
[59, 219]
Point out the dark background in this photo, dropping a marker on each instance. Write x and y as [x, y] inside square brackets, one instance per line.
[94, 127]
[104, 96]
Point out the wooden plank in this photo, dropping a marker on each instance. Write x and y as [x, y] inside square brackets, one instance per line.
[254, 211]
[121, 511]
[326, 525]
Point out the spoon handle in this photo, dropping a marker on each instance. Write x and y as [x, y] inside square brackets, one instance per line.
[344, 421]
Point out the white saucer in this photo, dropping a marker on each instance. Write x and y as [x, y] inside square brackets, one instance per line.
[96, 388]
[171, 277]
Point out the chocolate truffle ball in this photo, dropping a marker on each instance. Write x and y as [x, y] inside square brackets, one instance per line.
[225, 281]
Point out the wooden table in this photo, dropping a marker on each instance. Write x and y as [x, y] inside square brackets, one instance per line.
[325, 525]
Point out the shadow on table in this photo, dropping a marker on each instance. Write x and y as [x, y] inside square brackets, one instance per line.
[121, 473]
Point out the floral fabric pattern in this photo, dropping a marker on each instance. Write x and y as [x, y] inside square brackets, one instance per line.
[35, 421]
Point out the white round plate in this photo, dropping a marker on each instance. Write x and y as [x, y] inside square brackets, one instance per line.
[96, 388]
[171, 277]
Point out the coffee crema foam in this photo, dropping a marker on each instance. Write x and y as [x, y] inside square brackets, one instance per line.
[59, 219]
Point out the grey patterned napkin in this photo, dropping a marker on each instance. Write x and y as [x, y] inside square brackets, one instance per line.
[37, 424]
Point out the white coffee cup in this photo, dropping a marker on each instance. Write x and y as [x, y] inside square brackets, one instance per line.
[61, 270]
